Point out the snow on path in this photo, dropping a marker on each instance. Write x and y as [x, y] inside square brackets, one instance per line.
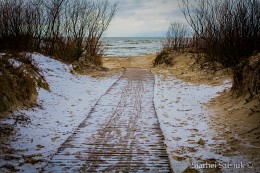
[179, 106]
[60, 111]
[121, 134]
[184, 122]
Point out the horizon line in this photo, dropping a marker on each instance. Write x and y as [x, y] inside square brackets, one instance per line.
[132, 36]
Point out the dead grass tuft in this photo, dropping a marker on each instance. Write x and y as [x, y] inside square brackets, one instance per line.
[246, 77]
[19, 78]
[164, 58]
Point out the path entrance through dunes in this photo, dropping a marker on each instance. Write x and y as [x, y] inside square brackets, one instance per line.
[121, 133]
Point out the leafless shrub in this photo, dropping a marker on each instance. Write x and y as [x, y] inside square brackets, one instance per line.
[229, 30]
[75, 28]
[176, 38]
[62, 28]
[176, 41]
[17, 24]
[54, 14]
[99, 20]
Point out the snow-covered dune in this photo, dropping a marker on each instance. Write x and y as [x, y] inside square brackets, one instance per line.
[184, 120]
[58, 113]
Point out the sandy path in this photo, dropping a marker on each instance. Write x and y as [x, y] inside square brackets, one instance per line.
[121, 132]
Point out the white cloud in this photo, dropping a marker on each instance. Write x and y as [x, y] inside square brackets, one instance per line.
[144, 18]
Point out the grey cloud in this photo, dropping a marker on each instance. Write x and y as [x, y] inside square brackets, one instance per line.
[137, 17]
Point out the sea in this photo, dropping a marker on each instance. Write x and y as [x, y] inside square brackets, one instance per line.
[131, 46]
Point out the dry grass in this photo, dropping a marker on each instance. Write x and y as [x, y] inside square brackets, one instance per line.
[95, 71]
[246, 81]
[19, 78]
[246, 77]
[84, 67]
[189, 67]
[164, 58]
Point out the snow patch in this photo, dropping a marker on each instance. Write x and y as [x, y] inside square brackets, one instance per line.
[15, 63]
[58, 114]
[184, 121]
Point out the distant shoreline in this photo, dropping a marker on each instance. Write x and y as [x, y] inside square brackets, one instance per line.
[130, 46]
[134, 37]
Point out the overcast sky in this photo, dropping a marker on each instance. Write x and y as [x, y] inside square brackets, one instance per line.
[145, 18]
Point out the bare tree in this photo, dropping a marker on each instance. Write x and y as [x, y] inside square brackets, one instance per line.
[63, 28]
[228, 29]
[74, 29]
[83, 23]
[13, 24]
[177, 38]
[38, 23]
[176, 41]
[54, 10]
[20, 24]
[99, 20]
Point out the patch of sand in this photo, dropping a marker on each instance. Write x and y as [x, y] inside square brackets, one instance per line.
[238, 122]
[136, 61]
[185, 68]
